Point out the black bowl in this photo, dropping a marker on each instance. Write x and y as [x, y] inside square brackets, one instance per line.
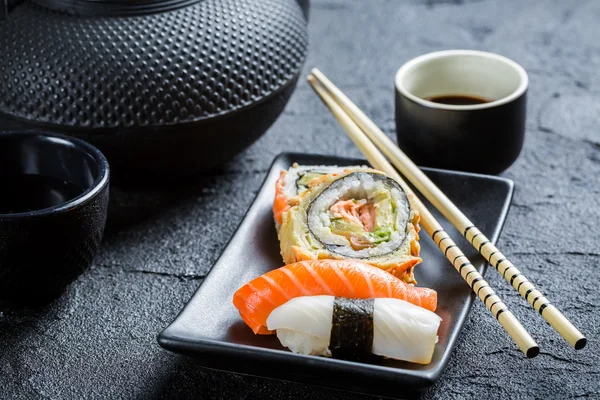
[52, 213]
[484, 138]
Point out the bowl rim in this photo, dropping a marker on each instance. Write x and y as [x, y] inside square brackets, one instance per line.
[90, 193]
[414, 63]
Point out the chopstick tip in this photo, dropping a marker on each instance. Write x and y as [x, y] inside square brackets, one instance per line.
[580, 344]
[533, 352]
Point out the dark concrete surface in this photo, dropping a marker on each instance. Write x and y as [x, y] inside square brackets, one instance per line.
[99, 339]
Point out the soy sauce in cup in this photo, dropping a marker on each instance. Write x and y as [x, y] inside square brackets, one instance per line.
[458, 99]
[30, 192]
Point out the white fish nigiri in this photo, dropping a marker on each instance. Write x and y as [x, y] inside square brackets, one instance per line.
[401, 330]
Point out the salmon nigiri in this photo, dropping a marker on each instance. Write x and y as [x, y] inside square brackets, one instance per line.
[341, 278]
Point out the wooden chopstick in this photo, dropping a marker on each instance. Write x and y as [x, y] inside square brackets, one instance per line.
[460, 262]
[440, 201]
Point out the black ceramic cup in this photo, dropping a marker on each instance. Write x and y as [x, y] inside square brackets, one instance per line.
[483, 138]
[53, 207]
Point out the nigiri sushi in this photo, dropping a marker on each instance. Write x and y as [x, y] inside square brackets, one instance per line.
[358, 213]
[296, 181]
[351, 328]
[343, 278]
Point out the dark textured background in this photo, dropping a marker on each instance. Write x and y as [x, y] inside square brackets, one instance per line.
[99, 339]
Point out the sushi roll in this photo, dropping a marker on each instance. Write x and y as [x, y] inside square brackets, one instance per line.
[359, 213]
[343, 278]
[296, 181]
[352, 328]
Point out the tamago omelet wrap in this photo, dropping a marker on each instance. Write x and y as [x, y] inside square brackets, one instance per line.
[354, 213]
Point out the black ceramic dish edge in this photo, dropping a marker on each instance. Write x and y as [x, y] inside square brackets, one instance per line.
[99, 183]
[176, 341]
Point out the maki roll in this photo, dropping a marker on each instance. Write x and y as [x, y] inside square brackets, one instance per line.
[353, 328]
[358, 213]
[295, 181]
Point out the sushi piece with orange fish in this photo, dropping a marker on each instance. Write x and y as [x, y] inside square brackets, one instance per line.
[342, 278]
[342, 308]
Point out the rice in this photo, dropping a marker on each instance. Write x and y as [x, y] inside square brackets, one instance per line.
[294, 174]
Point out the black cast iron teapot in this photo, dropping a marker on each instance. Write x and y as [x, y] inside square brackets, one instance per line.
[170, 87]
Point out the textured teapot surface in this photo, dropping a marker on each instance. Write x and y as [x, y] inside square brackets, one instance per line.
[190, 64]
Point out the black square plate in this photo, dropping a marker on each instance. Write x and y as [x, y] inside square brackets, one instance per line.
[210, 329]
